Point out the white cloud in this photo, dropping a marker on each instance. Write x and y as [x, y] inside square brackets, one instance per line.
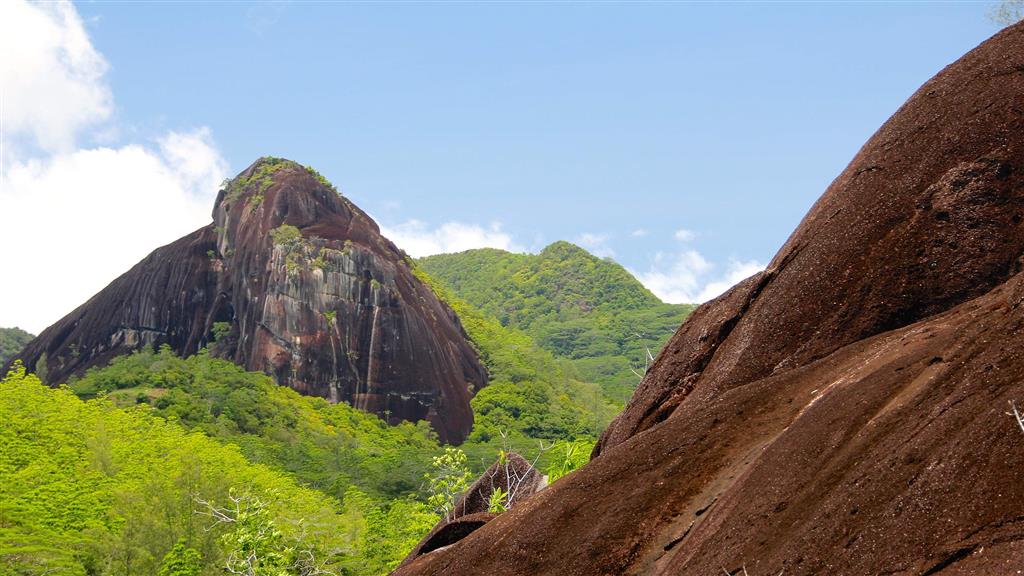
[688, 277]
[76, 218]
[675, 277]
[51, 76]
[596, 244]
[639, 232]
[76, 221]
[194, 161]
[736, 272]
[418, 239]
[683, 235]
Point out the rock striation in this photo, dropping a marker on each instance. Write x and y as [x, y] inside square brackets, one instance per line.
[295, 281]
[844, 411]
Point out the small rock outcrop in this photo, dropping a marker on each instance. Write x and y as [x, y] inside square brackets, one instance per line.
[516, 479]
[844, 411]
[512, 474]
[295, 281]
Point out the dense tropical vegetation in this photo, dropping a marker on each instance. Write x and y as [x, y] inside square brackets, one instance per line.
[534, 400]
[87, 487]
[12, 340]
[571, 303]
[330, 447]
[163, 465]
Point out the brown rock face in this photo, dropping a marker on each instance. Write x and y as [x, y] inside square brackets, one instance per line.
[843, 412]
[309, 292]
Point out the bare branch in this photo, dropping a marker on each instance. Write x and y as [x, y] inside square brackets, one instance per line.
[515, 480]
[1016, 414]
[648, 362]
[219, 515]
[744, 571]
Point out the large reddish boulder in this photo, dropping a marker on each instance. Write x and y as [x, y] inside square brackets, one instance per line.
[843, 412]
[307, 290]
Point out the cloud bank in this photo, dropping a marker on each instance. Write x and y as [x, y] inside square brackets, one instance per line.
[418, 239]
[54, 87]
[77, 216]
[687, 277]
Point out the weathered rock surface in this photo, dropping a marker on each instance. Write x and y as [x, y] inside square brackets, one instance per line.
[843, 412]
[308, 291]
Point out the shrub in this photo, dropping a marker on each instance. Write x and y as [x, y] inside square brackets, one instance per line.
[286, 235]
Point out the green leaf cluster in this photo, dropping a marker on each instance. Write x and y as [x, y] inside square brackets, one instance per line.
[261, 178]
[449, 478]
[387, 533]
[289, 238]
[255, 201]
[568, 457]
[498, 501]
[323, 181]
[181, 561]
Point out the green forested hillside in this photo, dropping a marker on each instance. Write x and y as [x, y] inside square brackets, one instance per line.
[573, 304]
[12, 340]
[112, 481]
[90, 488]
[533, 398]
[330, 447]
[116, 472]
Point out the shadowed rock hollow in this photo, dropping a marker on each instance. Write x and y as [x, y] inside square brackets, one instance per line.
[301, 285]
[843, 412]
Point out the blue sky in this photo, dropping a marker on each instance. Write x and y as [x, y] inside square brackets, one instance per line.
[686, 140]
